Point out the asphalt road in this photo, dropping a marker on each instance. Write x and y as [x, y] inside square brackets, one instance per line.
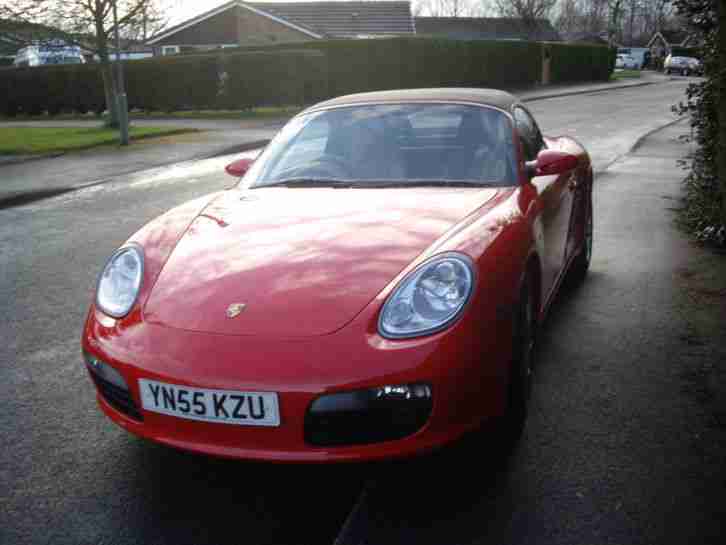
[612, 452]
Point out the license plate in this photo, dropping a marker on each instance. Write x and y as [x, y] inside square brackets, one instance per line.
[221, 406]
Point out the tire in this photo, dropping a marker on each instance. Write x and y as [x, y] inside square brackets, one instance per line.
[581, 263]
[519, 389]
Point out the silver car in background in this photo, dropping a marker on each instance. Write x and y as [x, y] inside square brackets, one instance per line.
[682, 65]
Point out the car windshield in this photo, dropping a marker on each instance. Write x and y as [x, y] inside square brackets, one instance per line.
[390, 145]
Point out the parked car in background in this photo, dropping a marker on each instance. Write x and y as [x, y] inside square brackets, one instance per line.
[626, 61]
[372, 288]
[682, 65]
[56, 53]
[127, 56]
[640, 55]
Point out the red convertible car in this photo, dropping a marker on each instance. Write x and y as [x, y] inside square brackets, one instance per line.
[372, 288]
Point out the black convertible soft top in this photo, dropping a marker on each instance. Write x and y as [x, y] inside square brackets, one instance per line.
[487, 97]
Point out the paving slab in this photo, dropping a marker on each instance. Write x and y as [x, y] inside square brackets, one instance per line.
[45, 177]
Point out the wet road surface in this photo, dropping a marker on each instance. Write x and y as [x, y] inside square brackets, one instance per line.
[612, 452]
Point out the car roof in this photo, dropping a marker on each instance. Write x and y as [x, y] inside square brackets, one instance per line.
[485, 97]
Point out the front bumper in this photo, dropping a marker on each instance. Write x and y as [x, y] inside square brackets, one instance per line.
[466, 371]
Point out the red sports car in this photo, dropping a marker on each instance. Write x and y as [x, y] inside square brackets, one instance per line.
[372, 288]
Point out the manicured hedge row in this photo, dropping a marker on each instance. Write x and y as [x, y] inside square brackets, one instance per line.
[400, 63]
[201, 82]
[580, 62]
[366, 65]
[301, 73]
[695, 52]
[248, 80]
[172, 83]
[51, 88]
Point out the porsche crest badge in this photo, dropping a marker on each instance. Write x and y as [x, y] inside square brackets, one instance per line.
[235, 309]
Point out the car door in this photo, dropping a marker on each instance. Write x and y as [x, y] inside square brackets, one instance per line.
[556, 195]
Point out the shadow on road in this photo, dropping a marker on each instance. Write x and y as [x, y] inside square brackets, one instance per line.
[187, 498]
[468, 492]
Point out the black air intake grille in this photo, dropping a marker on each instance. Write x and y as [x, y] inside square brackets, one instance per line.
[118, 398]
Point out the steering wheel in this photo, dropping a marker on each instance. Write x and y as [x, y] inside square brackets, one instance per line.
[328, 166]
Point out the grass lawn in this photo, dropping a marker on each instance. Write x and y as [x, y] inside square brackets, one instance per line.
[254, 113]
[268, 112]
[40, 140]
[623, 74]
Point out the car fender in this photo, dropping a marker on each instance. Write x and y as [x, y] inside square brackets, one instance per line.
[158, 238]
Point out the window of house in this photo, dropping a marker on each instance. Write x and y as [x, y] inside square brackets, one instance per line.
[170, 50]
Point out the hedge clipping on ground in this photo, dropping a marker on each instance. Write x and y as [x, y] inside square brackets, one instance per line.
[300, 74]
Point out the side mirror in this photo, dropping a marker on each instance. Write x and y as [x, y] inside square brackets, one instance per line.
[239, 167]
[551, 163]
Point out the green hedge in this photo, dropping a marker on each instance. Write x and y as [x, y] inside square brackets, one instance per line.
[418, 62]
[303, 73]
[580, 62]
[404, 63]
[172, 83]
[53, 89]
[169, 84]
[272, 79]
[695, 52]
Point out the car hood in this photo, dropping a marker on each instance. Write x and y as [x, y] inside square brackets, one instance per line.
[298, 262]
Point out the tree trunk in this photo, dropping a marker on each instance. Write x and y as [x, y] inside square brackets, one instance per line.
[109, 91]
[109, 78]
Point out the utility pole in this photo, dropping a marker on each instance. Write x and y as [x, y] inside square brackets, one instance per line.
[121, 99]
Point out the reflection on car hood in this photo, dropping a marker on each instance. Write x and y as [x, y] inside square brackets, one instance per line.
[302, 261]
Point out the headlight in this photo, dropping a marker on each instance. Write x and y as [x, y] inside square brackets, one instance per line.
[429, 299]
[120, 281]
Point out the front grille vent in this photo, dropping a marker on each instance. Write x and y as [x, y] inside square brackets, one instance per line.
[119, 398]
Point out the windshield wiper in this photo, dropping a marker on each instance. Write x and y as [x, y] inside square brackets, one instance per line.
[306, 182]
[373, 184]
[426, 183]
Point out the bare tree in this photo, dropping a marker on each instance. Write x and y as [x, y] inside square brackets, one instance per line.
[88, 24]
[446, 8]
[633, 8]
[616, 9]
[570, 18]
[627, 20]
[525, 9]
[530, 11]
[596, 14]
[657, 13]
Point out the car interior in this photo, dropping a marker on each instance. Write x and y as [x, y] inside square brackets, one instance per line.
[446, 142]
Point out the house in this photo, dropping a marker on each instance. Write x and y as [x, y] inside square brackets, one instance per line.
[238, 23]
[664, 41]
[130, 50]
[594, 38]
[486, 28]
